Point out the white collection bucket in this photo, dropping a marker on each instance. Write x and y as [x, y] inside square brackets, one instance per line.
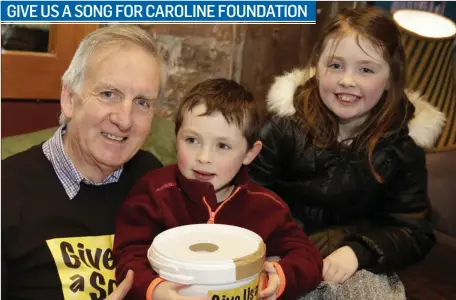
[222, 261]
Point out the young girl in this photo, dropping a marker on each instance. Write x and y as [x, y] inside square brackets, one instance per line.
[344, 148]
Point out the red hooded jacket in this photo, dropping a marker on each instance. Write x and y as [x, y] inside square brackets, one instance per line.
[164, 199]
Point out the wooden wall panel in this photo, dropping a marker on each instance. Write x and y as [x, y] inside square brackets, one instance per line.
[25, 116]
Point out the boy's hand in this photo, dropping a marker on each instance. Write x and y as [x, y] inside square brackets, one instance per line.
[340, 265]
[269, 293]
[122, 290]
[168, 290]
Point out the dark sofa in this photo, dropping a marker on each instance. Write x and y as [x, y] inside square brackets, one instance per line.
[435, 277]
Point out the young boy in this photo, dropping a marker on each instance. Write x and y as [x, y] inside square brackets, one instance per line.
[217, 128]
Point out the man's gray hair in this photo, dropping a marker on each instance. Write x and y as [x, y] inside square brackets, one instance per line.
[73, 77]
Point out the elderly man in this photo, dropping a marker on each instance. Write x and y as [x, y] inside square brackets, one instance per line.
[60, 198]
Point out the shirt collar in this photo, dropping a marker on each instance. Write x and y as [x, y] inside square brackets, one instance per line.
[69, 176]
[199, 189]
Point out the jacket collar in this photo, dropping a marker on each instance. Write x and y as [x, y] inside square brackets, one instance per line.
[424, 128]
[196, 189]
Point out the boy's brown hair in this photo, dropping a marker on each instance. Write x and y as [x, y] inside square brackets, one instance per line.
[229, 98]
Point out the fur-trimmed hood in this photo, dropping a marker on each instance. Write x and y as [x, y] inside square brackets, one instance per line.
[424, 128]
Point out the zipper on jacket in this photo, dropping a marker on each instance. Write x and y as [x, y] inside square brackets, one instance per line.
[213, 214]
[211, 218]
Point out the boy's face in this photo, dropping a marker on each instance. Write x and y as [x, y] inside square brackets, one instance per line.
[209, 149]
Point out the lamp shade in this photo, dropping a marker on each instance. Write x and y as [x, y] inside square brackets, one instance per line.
[428, 41]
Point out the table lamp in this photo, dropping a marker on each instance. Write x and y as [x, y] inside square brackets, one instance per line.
[428, 40]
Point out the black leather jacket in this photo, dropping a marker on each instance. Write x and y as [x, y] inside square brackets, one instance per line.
[339, 202]
[334, 194]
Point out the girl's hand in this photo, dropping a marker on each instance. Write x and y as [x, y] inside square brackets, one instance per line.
[340, 265]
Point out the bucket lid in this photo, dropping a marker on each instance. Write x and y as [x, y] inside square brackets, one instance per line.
[207, 254]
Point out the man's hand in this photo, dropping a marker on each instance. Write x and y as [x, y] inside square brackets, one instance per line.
[340, 265]
[270, 292]
[122, 290]
[168, 290]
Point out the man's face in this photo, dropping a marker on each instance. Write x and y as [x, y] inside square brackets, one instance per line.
[212, 150]
[111, 117]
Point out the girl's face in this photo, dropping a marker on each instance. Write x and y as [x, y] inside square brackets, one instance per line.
[351, 78]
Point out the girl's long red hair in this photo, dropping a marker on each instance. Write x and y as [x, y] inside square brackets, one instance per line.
[390, 114]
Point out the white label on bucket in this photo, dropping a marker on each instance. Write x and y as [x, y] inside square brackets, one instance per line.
[248, 291]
